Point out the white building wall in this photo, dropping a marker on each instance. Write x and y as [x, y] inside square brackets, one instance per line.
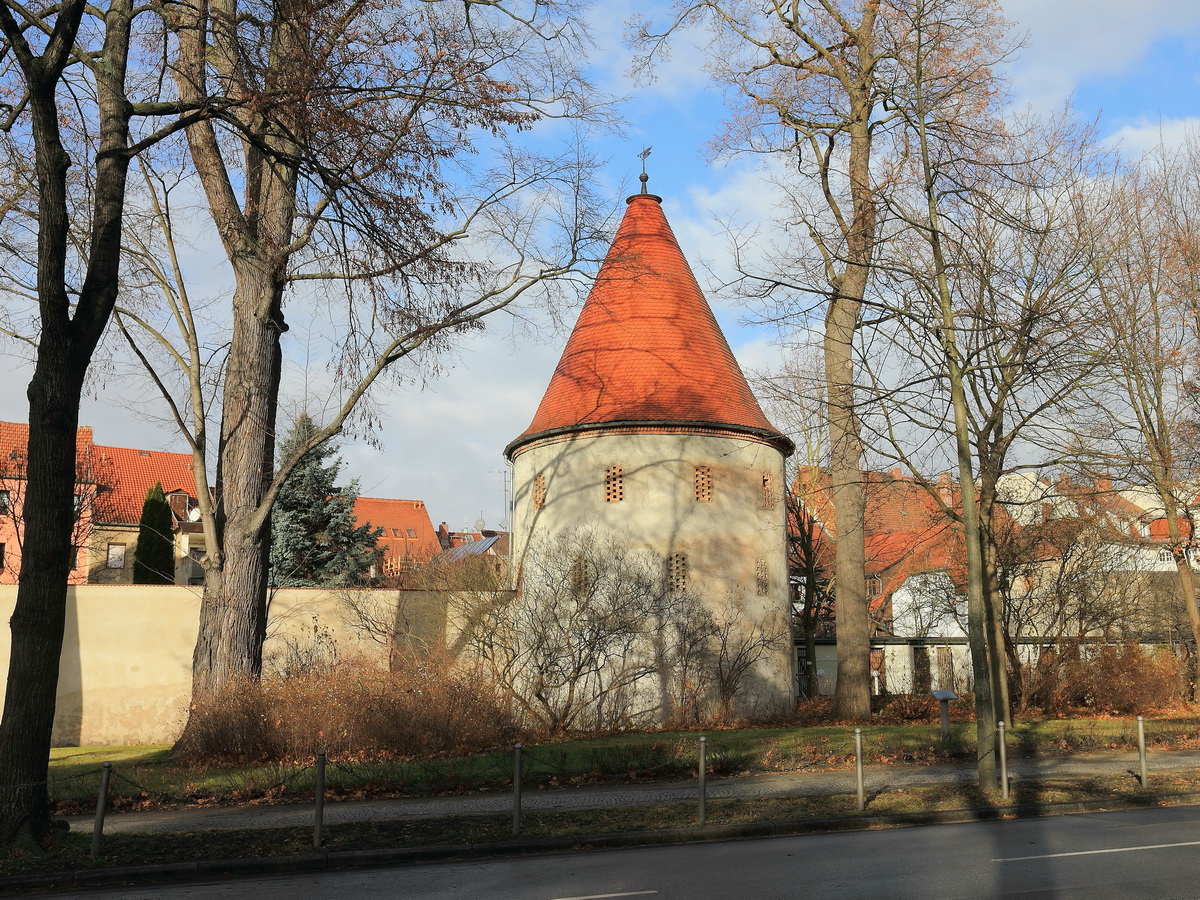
[724, 539]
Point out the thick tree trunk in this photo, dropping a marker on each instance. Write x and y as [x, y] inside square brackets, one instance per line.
[993, 598]
[256, 233]
[852, 696]
[39, 617]
[233, 616]
[64, 353]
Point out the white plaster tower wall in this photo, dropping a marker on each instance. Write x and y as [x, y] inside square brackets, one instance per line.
[732, 538]
[647, 390]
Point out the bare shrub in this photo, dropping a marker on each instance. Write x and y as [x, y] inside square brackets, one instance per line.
[1124, 678]
[572, 650]
[423, 707]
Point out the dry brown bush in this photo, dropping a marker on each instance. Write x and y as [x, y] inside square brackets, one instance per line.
[422, 708]
[1113, 679]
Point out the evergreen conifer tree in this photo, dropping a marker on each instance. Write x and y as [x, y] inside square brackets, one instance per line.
[314, 540]
[154, 555]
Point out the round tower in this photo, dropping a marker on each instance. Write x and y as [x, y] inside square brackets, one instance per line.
[649, 430]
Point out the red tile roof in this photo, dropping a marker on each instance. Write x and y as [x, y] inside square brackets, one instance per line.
[646, 347]
[408, 537]
[129, 474]
[907, 533]
[14, 446]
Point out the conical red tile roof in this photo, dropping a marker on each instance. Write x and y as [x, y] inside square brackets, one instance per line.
[646, 348]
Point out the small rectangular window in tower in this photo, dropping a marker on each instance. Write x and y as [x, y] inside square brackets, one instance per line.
[677, 573]
[614, 484]
[761, 582]
[5, 501]
[703, 480]
[768, 491]
[539, 492]
[580, 576]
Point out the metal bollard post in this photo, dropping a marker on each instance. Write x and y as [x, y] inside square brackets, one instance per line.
[1003, 760]
[516, 789]
[319, 800]
[703, 767]
[1142, 752]
[101, 804]
[858, 768]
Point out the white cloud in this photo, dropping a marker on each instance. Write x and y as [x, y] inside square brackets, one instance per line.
[1072, 40]
[1138, 137]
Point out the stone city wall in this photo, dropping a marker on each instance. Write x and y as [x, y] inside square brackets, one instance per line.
[125, 670]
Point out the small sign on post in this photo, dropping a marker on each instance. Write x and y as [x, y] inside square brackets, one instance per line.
[943, 698]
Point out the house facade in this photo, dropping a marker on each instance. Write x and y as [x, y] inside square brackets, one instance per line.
[1076, 561]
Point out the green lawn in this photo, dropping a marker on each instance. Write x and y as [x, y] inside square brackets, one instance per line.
[148, 775]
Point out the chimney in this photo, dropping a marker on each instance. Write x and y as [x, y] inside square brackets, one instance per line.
[944, 490]
[896, 473]
[443, 534]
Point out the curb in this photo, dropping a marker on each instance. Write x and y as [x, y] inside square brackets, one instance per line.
[350, 859]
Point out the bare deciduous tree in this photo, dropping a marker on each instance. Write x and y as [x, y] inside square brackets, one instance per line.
[73, 118]
[578, 641]
[343, 167]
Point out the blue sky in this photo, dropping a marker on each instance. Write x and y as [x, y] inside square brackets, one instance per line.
[1137, 68]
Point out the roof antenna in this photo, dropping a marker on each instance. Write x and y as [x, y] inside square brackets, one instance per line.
[644, 177]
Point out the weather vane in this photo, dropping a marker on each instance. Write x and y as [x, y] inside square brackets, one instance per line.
[644, 177]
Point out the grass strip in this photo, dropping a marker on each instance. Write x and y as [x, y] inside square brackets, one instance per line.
[120, 850]
[148, 777]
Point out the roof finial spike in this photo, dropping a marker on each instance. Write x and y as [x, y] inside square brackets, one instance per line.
[644, 177]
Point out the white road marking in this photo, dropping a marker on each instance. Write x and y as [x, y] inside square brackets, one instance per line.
[604, 896]
[1095, 852]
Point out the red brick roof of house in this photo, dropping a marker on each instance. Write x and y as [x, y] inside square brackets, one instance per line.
[122, 475]
[14, 447]
[408, 537]
[129, 474]
[646, 347]
[907, 532]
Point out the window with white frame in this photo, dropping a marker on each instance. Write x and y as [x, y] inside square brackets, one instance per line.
[115, 558]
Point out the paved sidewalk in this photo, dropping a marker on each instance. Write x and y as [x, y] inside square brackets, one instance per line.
[792, 784]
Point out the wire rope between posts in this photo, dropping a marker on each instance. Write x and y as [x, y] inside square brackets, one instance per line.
[145, 791]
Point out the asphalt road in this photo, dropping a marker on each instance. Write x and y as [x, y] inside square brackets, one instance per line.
[1152, 853]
